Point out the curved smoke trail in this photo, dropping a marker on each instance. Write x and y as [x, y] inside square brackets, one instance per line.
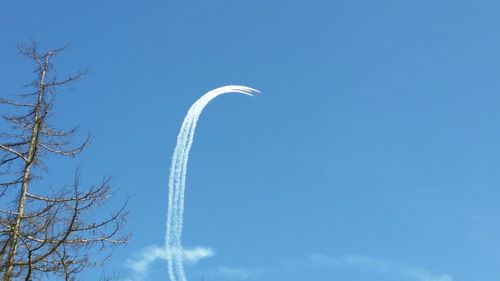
[177, 179]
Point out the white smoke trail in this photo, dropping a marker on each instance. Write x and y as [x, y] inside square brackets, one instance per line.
[177, 180]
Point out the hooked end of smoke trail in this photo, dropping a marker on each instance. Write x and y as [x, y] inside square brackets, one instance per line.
[239, 89]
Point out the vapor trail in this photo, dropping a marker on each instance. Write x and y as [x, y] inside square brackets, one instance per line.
[177, 179]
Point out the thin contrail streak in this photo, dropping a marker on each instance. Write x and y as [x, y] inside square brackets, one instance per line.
[177, 179]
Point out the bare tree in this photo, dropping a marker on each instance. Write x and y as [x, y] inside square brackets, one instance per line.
[44, 231]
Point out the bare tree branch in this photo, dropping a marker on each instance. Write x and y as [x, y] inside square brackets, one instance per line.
[17, 153]
[4, 101]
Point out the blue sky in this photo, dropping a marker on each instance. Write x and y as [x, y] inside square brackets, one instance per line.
[372, 153]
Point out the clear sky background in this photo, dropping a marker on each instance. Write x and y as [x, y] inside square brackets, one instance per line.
[373, 152]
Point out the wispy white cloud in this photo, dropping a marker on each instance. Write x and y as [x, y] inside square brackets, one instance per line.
[379, 265]
[316, 262]
[234, 273]
[140, 263]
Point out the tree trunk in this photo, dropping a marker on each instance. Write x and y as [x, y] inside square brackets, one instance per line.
[26, 174]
